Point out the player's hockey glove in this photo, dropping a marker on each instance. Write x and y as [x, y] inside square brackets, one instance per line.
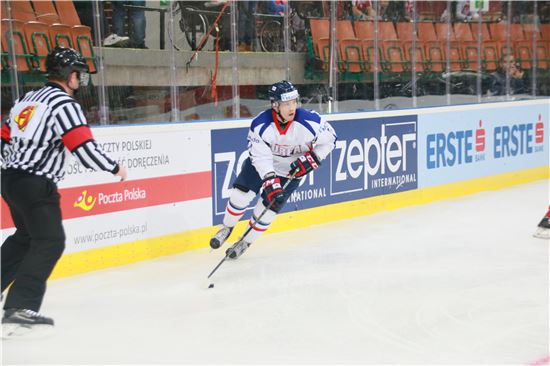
[273, 191]
[305, 164]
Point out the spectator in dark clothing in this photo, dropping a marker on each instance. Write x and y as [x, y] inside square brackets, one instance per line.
[137, 24]
[247, 26]
[508, 66]
[85, 12]
[276, 7]
[394, 11]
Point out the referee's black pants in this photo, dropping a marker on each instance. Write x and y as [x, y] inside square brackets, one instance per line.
[30, 254]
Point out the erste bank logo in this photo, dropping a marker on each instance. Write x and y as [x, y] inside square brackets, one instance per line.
[448, 149]
[518, 139]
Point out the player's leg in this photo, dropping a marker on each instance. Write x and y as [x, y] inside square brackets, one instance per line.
[259, 225]
[245, 189]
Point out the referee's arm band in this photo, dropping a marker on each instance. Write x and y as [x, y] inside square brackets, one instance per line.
[76, 137]
[6, 133]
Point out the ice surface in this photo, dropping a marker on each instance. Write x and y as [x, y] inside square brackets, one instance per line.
[459, 281]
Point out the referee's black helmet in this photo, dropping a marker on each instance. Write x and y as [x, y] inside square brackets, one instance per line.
[61, 61]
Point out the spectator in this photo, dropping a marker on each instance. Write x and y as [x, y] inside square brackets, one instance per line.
[276, 7]
[136, 26]
[85, 12]
[508, 66]
[362, 10]
[247, 26]
[393, 11]
[343, 9]
[464, 12]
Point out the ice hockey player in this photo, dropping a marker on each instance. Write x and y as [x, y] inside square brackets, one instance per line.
[282, 140]
[543, 228]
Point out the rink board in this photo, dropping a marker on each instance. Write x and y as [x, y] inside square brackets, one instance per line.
[180, 176]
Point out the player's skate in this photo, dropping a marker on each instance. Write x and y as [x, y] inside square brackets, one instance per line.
[237, 249]
[543, 229]
[220, 237]
[542, 233]
[25, 323]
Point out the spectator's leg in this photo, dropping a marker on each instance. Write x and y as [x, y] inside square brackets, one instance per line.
[137, 17]
[118, 17]
[116, 38]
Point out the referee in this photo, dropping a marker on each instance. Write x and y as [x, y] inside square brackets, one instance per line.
[41, 127]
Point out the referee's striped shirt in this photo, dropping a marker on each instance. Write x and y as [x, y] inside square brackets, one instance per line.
[40, 126]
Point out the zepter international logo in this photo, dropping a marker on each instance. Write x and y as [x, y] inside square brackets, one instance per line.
[23, 118]
[84, 201]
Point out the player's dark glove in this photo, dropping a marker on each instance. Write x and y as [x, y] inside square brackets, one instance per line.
[273, 190]
[305, 164]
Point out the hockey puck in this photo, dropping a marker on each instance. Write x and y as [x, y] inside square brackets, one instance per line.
[211, 285]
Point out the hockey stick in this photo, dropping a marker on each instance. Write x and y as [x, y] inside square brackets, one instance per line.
[290, 179]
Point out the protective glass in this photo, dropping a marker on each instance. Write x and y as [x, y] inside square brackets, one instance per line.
[84, 78]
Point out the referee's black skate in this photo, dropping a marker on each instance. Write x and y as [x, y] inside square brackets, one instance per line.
[25, 323]
[237, 249]
[220, 237]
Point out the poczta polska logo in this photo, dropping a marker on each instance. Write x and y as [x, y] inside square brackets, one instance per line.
[87, 201]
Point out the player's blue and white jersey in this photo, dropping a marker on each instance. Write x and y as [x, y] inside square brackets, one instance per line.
[273, 147]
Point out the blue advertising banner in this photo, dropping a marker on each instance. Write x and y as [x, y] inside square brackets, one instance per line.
[476, 143]
[373, 156]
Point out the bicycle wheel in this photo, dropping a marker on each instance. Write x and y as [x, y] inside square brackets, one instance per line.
[270, 36]
[178, 40]
[194, 25]
[189, 27]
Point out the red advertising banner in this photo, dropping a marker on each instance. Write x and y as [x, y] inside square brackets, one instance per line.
[120, 196]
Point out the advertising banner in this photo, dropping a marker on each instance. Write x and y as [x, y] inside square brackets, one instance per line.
[165, 177]
[372, 156]
[481, 142]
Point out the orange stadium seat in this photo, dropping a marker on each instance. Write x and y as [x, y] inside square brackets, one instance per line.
[60, 34]
[13, 36]
[386, 31]
[320, 33]
[349, 47]
[489, 48]
[442, 29]
[22, 11]
[485, 34]
[545, 32]
[433, 48]
[467, 46]
[463, 32]
[45, 11]
[38, 42]
[394, 57]
[81, 34]
[364, 30]
[405, 32]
